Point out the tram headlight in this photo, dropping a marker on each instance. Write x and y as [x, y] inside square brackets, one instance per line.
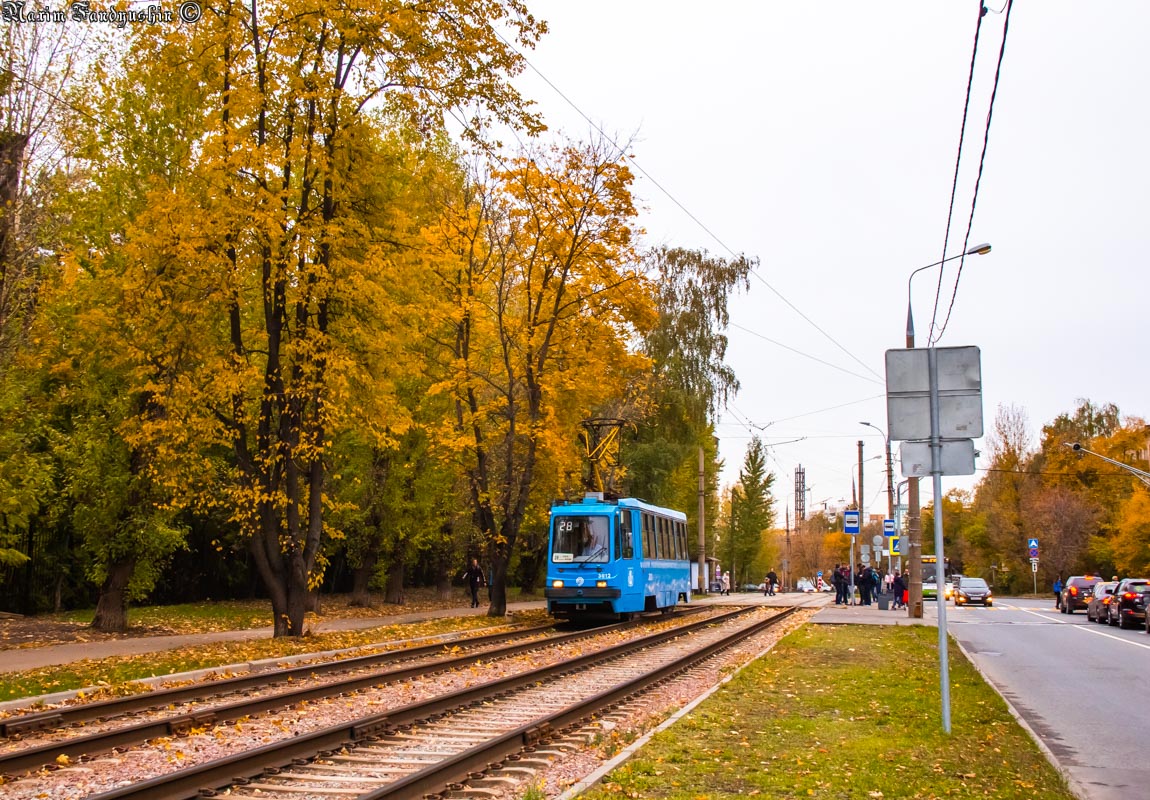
[601, 584]
[556, 584]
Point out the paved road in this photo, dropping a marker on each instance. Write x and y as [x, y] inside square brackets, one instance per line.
[1080, 685]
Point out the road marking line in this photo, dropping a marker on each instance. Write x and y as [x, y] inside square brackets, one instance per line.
[1090, 630]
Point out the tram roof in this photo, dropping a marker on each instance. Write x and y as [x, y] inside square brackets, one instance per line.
[592, 499]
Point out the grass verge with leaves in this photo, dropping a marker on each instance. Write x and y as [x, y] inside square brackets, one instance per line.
[843, 712]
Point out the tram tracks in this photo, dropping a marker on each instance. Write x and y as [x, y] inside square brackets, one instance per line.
[176, 712]
[19, 726]
[427, 746]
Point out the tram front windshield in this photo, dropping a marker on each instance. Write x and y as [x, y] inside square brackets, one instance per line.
[581, 540]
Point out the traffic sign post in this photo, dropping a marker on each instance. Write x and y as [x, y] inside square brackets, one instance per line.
[851, 526]
[1032, 547]
[934, 407]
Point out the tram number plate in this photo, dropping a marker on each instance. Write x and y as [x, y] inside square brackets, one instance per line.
[580, 606]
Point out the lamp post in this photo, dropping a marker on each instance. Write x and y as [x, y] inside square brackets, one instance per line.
[913, 531]
[898, 512]
[1142, 476]
[862, 521]
[889, 471]
[889, 481]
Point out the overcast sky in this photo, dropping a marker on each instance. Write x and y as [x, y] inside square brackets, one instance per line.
[821, 137]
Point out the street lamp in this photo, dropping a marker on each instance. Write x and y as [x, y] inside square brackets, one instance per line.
[1142, 476]
[913, 531]
[862, 521]
[977, 250]
[889, 471]
[898, 512]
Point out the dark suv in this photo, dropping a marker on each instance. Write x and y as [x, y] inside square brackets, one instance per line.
[1128, 608]
[1076, 592]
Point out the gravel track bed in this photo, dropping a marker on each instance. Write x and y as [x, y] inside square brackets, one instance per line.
[598, 742]
[103, 773]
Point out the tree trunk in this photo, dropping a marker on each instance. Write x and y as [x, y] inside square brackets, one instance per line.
[112, 606]
[394, 592]
[498, 586]
[361, 582]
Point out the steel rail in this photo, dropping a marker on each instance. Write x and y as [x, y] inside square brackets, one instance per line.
[483, 756]
[19, 761]
[190, 783]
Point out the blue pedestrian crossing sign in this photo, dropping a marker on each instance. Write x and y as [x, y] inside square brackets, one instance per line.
[895, 541]
[850, 522]
[1032, 542]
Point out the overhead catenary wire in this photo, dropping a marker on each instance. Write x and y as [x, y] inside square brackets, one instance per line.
[981, 163]
[689, 214]
[807, 355]
[957, 163]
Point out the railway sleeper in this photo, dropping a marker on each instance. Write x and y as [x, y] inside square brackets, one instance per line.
[182, 726]
[459, 790]
[394, 759]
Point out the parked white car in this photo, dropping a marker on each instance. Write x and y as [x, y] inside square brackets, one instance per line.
[804, 585]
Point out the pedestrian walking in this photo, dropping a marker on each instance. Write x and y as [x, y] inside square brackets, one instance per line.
[727, 582]
[772, 581]
[474, 577]
[1058, 591]
[899, 588]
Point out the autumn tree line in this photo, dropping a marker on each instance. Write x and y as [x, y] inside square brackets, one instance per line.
[275, 296]
[1089, 516]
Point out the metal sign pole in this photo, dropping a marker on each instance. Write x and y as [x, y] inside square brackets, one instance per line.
[940, 566]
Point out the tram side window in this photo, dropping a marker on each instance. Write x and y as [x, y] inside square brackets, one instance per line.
[680, 541]
[665, 550]
[624, 546]
[686, 544]
[648, 535]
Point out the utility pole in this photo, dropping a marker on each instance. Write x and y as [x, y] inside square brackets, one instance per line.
[787, 559]
[913, 524]
[702, 528]
[889, 483]
[800, 508]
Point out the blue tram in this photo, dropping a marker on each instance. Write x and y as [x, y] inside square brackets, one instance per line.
[616, 558]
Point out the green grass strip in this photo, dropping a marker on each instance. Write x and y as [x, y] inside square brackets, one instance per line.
[843, 712]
